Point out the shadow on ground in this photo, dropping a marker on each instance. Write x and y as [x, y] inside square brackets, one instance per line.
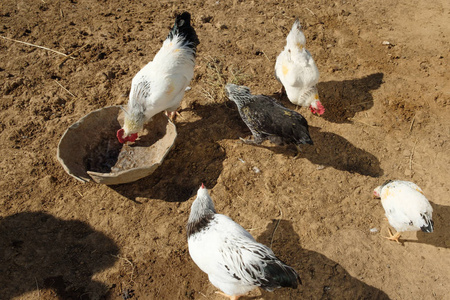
[332, 150]
[192, 161]
[39, 251]
[343, 99]
[440, 237]
[322, 277]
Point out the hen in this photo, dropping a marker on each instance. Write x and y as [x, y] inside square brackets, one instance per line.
[296, 70]
[268, 119]
[160, 85]
[234, 261]
[406, 207]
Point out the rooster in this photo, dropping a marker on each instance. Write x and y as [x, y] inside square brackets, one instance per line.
[296, 70]
[234, 261]
[161, 84]
[406, 207]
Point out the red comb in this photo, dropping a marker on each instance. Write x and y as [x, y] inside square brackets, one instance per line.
[131, 138]
[203, 186]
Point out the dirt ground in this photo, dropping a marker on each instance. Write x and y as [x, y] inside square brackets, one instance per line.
[385, 86]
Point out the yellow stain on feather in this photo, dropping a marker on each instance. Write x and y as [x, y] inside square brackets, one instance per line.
[419, 191]
[170, 88]
[316, 96]
[300, 46]
[284, 69]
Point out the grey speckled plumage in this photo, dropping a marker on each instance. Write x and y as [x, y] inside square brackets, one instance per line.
[268, 119]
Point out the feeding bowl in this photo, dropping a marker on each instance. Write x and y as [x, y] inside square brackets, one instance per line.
[89, 148]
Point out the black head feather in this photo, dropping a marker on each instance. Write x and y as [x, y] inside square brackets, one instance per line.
[183, 28]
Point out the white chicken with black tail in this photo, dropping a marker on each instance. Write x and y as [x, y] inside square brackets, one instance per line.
[161, 84]
[296, 70]
[406, 207]
[234, 261]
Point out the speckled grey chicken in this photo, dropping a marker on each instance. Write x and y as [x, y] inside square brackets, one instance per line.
[267, 119]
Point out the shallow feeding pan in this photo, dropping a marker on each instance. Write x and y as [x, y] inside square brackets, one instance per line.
[89, 149]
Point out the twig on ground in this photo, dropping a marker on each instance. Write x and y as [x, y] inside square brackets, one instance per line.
[412, 154]
[131, 264]
[412, 123]
[276, 226]
[37, 287]
[310, 11]
[65, 89]
[263, 52]
[37, 46]
[71, 55]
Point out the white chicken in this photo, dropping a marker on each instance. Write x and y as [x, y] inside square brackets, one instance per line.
[296, 70]
[161, 84]
[234, 261]
[406, 207]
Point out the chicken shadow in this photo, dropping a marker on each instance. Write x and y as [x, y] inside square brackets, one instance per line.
[39, 251]
[440, 237]
[335, 151]
[322, 278]
[343, 99]
[196, 157]
[332, 150]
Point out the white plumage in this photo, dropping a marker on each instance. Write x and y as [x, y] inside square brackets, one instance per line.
[296, 70]
[161, 84]
[406, 207]
[234, 261]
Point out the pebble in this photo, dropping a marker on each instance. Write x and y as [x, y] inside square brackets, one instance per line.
[373, 230]
[256, 170]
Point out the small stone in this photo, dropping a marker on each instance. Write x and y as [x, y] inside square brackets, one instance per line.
[256, 170]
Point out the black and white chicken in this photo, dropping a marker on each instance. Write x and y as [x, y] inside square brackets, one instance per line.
[161, 84]
[234, 261]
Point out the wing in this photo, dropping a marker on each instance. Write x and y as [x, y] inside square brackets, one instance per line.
[407, 206]
[304, 70]
[271, 118]
[252, 263]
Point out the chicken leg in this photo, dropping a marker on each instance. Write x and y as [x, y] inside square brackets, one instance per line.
[395, 237]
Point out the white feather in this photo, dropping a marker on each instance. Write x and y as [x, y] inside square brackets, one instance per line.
[234, 261]
[406, 208]
[296, 70]
[161, 84]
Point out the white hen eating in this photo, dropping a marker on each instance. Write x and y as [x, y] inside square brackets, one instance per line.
[234, 261]
[160, 85]
[406, 207]
[296, 70]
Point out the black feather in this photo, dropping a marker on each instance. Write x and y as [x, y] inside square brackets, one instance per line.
[277, 274]
[199, 225]
[429, 227]
[183, 28]
[269, 119]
